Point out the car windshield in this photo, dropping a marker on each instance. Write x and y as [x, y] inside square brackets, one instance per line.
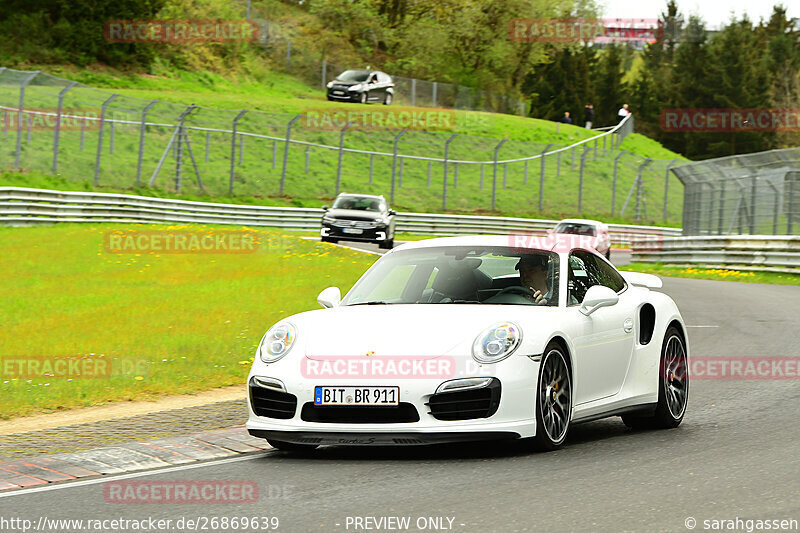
[359, 203]
[574, 228]
[451, 275]
[353, 75]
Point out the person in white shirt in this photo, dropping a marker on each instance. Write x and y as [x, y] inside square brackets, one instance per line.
[623, 111]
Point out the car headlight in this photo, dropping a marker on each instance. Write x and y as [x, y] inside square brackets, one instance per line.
[327, 218]
[277, 342]
[496, 343]
[356, 87]
[330, 84]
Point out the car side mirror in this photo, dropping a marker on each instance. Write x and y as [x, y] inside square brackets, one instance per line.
[596, 297]
[331, 297]
[392, 212]
[325, 207]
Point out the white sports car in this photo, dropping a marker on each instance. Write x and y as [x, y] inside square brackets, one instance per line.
[469, 338]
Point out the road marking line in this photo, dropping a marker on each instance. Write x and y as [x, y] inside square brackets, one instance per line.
[113, 477]
[702, 326]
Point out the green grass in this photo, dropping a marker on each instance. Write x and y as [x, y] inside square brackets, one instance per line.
[182, 322]
[660, 269]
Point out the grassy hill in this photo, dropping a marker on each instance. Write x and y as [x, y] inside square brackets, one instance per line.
[273, 99]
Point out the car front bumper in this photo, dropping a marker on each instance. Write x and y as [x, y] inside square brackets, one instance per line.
[376, 234]
[513, 418]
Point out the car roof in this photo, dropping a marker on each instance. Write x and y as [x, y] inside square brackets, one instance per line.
[582, 221]
[360, 195]
[524, 242]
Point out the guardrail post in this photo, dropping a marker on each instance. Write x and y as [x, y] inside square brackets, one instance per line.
[57, 132]
[721, 207]
[286, 150]
[446, 157]
[142, 127]
[494, 174]
[580, 179]
[100, 137]
[666, 186]
[341, 153]
[233, 150]
[541, 176]
[21, 106]
[753, 191]
[614, 182]
[394, 162]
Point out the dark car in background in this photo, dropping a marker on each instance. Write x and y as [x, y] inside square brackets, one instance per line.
[359, 217]
[362, 86]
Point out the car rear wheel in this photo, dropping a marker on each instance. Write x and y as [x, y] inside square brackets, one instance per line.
[388, 99]
[363, 97]
[291, 446]
[553, 400]
[386, 245]
[328, 239]
[673, 386]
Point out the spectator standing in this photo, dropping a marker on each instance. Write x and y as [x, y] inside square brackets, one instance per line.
[623, 112]
[589, 112]
[566, 118]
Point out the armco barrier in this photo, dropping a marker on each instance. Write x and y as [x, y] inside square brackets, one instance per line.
[761, 252]
[23, 207]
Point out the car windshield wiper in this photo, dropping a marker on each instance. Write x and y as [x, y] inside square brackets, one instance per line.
[376, 302]
[460, 302]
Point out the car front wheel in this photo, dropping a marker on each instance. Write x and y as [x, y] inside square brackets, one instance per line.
[553, 400]
[387, 244]
[388, 99]
[673, 386]
[363, 97]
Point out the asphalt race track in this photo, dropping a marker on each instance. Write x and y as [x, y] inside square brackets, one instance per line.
[734, 456]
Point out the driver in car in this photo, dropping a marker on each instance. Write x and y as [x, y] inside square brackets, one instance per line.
[533, 275]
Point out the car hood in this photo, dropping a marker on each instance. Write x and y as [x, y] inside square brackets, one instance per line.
[347, 83]
[354, 214]
[419, 330]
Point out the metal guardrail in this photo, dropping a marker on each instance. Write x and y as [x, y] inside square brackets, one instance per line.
[752, 252]
[23, 207]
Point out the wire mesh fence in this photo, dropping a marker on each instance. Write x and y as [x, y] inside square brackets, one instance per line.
[58, 126]
[757, 194]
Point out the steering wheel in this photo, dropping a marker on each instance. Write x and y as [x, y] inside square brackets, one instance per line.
[522, 291]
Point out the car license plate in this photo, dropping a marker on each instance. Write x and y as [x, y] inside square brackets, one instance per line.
[353, 231]
[353, 396]
[338, 92]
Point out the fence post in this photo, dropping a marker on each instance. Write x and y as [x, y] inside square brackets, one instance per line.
[324, 74]
[455, 174]
[308, 154]
[57, 133]
[288, 53]
[111, 136]
[400, 174]
[776, 206]
[429, 173]
[286, 150]
[666, 187]
[394, 162]
[434, 94]
[789, 213]
[614, 182]
[28, 129]
[100, 137]
[179, 152]
[572, 163]
[580, 179]
[594, 156]
[233, 149]
[541, 176]
[371, 164]
[208, 143]
[83, 132]
[241, 150]
[413, 92]
[21, 106]
[494, 173]
[341, 153]
[446, 156]
[142, 126]
[721, 207]
[558, 164]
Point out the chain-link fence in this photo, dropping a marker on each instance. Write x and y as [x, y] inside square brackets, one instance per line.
[757, 194]
[55, 125]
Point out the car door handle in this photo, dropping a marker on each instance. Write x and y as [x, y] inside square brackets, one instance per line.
[628, 325]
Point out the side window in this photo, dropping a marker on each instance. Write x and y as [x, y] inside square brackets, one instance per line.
[587, 270]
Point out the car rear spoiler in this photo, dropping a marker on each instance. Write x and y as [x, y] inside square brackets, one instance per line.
[641, 279]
